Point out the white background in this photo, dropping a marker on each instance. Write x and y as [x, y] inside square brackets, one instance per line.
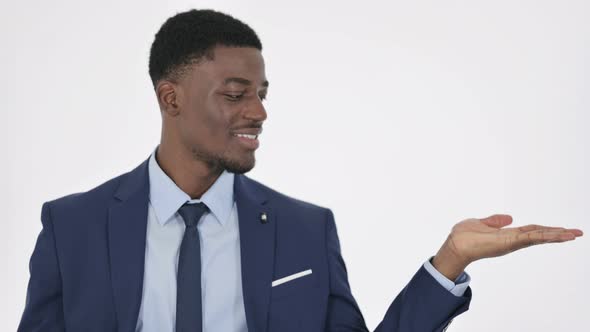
[403, 117]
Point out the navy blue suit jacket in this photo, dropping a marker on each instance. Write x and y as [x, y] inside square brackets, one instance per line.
[86, 271]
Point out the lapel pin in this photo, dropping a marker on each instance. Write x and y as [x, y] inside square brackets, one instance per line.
[263, 218]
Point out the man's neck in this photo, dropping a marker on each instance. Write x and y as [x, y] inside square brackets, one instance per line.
[194, 177]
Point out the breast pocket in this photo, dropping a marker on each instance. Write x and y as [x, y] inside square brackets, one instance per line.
[295, 283]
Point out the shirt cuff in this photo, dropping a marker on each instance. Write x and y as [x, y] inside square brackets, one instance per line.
[457, 288]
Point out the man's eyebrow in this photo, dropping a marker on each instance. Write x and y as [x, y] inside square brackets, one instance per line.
[242, 81]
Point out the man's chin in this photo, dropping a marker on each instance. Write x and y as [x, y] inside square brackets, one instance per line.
[239, 166]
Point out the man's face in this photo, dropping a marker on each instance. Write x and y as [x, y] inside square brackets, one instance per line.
[220, 108]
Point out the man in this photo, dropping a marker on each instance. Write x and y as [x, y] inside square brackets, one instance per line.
[186, 242]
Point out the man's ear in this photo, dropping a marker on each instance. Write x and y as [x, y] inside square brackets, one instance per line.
[167, 93]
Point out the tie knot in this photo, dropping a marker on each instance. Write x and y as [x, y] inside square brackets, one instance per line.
[191, 213]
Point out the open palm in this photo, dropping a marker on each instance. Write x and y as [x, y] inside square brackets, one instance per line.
[473, 239]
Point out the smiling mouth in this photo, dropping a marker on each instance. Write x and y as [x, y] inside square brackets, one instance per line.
[247, 136]
[248, 141]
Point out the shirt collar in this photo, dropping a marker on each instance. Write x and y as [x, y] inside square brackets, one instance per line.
[166, 197]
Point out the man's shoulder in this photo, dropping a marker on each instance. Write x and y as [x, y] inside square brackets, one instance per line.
[102, 195]
[93, 197]
[283, 200]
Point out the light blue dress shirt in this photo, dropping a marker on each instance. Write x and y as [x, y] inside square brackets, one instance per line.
[221, 283]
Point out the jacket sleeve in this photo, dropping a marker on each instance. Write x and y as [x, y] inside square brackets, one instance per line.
[424, 305]
[43, 307]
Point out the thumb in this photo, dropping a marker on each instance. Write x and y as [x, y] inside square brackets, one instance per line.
[497, 220]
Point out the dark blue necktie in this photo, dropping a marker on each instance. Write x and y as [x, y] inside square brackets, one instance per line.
[188, 280]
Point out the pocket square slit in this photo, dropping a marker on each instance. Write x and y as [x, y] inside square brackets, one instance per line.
[290, 277]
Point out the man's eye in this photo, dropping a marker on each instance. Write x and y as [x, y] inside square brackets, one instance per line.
[233, 97]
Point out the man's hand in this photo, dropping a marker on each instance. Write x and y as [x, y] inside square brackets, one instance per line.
[474, 239]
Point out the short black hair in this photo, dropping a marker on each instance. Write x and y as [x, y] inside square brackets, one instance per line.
[188, 37]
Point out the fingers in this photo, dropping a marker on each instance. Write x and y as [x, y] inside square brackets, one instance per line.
[497, 220]
[529, 228]
[541, 235]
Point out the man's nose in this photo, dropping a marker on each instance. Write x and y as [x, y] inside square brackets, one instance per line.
[256, 111]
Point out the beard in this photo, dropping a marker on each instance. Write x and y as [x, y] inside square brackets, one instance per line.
[233, 163]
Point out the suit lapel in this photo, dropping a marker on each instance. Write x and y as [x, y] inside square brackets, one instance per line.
[257, 249]
[126, 233]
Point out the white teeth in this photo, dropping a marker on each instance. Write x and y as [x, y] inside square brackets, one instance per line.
[246, 136]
